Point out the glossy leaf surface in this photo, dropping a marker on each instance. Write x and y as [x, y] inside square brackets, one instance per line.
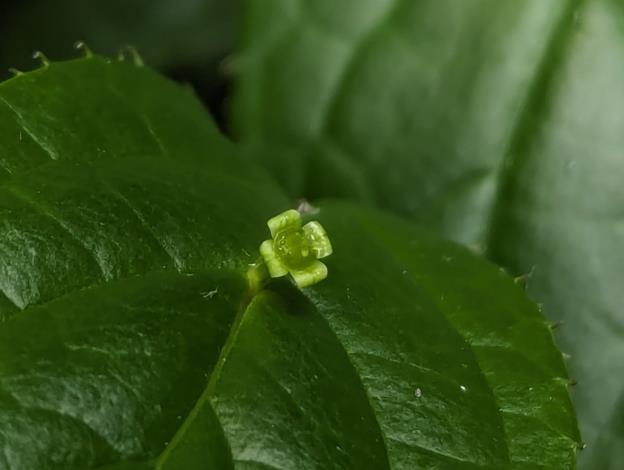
[130, 338]
[498, 123]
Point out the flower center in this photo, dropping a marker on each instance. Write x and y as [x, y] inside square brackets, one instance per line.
[294, 249]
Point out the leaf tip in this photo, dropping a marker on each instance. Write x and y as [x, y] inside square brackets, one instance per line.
[41, 57]
[132, 54]
[84, 48]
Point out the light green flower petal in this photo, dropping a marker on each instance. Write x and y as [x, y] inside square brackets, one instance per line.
[318, 239]
[295, 250]
[314, 273]
[274, 265]
[290, 219]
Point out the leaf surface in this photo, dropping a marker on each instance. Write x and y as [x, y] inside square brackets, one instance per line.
[130, 338]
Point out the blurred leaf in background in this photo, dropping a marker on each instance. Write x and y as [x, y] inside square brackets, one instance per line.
[498, 123]
[185, 39]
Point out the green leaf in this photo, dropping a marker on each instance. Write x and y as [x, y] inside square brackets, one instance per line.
[131, 340]
[496, 123]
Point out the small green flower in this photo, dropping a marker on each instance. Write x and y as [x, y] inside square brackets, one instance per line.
[295, 249]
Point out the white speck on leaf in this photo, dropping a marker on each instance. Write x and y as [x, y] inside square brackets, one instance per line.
[210, 294]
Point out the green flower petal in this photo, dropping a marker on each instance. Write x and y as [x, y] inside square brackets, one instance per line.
[318, 238]
[288, 220]
[295, 249]
[314, 273]
[274, 264]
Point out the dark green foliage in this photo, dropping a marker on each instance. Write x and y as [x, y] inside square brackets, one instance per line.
[130, 339]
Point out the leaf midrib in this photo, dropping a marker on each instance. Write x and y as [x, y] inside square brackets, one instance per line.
[204, 398]
[557, 47]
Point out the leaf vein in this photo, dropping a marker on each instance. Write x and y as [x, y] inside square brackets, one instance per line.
[148, 229]
[19, 194]
[22, 122]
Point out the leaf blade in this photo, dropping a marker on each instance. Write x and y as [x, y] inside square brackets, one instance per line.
[157, 245]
